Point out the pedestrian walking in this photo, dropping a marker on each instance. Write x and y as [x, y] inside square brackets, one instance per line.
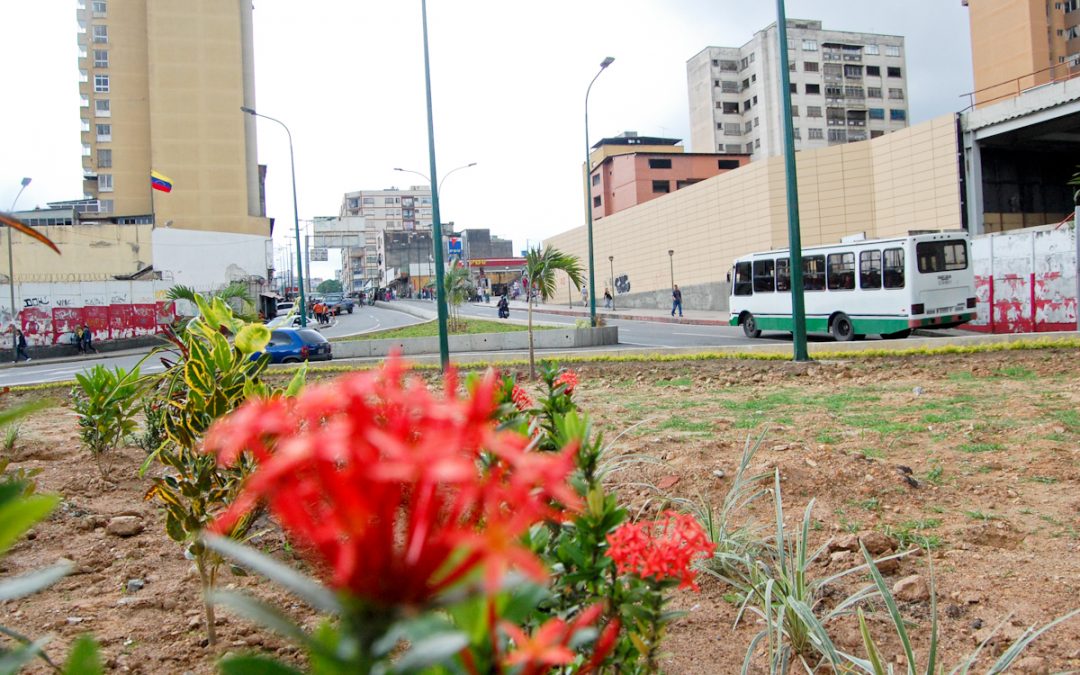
[87, 340]
[20, 346]
[676, 300]
[584, 297]
[78, 339]
[607, 299]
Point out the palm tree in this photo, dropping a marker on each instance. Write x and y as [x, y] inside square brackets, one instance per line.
[459, 288]
[540, 268]
[233, 294]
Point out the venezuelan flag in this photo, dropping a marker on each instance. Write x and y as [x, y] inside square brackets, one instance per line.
[160, 181]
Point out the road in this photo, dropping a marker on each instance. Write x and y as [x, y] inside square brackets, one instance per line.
[362, 320]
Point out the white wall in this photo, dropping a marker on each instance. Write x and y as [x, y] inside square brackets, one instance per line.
[208, 261]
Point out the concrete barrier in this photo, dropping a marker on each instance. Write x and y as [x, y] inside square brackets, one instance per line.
[573, 338]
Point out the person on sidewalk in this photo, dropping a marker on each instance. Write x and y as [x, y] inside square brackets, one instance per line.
[607, 299]
[87, 340]
[78, 339]
[676, 300]
[584, 297]
[20, 346]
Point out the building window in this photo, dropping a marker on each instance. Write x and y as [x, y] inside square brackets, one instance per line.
[755, 100]
[98, 7]
[876, 133]
[101, 58]
[894, 71]
[748, 127]
[101, 34]
[873, 92]
[104, 182]
[727, 164]
[101, 108]
[872, 50]
[596, 179]
[731, 148]
[791, 66]
[661, 186]
[795, 131]
[731, 107]
[897, 114]
[729, 87]
[791, 44]
[810, 67]
[101, 84]
[732, 129]
[746, 105]
[809, 45]
[757, 143]
[743, 64]
[104, 132]
[749, 148]
[814, 134]
[813, 89]
[794, 88]
[877, 113]
[596, 202]
[105, 206]
[896, 94]
[729, 66]
[369, 201]
[892, 50]
[873, 71]
[794, 111]
[104, 158]
[391, 200]
[837, 135]
[659, 163]
[757, 121]
[853, 72]
[813, 111]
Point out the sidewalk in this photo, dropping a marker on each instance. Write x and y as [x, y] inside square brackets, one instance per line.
[691, 317]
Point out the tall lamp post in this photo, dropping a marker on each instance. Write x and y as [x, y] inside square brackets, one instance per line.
[671, 260]
[447, 175]
[296, 214]
[611, 263]
[11, 274]
[588, 193]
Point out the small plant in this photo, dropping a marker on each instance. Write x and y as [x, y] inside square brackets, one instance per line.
[11, 437]
[153, 434]
[105, 401]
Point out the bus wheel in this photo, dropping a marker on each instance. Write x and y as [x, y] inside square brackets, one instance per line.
[898, 335]
[749, 326]
[842, 330]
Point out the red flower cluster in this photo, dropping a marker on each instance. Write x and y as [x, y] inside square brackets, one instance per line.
[663, 549]
[385, 482]
[549, 645]
[568, 378]
[521, 398]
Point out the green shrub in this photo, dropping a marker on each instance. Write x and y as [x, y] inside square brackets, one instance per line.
[106, 403]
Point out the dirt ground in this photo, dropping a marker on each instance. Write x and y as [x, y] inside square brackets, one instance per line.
[974, 456]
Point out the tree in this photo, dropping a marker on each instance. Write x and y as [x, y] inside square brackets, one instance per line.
[459, 288]
[329, 286]
[236, 295]
[540, 269]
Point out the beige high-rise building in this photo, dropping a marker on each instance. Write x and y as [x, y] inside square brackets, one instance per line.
[1020, 44]
[162, 83]
[391, 210]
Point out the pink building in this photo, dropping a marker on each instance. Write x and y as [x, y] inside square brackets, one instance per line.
[624, 175]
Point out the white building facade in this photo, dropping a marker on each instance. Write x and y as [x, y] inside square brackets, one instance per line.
[845, 87]
[391, 210]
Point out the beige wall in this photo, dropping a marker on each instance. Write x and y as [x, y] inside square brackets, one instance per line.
[907, 180]
[88, 253]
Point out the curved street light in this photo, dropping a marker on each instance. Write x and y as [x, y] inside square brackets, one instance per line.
[296, 214]
[445, 176]
[588, 194]
[11, 274]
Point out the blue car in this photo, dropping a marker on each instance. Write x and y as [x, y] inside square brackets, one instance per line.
[293, 345]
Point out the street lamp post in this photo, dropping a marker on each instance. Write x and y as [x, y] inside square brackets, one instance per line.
[296, 214]
[671, 260]
[611, 262]
[588, 194]
[445, 176]
[11, 274]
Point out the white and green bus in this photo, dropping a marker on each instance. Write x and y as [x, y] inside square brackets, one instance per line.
[885, 287]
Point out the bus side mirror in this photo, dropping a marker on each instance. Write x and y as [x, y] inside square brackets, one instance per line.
[729, 277]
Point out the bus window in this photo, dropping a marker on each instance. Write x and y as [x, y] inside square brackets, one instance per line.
[814, 273]
[894, 268]
[763, 276]
[783, 275]
[743, 283]
[841, 271]
[941, 256]
[869, 269]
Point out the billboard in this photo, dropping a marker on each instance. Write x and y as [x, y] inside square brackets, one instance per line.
[320, 254]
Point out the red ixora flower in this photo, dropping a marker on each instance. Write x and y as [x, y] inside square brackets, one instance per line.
[568, 378]
[549, 645]
[521, 398]
[399, 491]
[664, 549]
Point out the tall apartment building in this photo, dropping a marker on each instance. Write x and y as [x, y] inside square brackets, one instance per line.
[383, 210]
[845, 87]
[161, 84]
[1020, 44]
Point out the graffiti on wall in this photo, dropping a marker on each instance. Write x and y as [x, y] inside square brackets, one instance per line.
[622, 284]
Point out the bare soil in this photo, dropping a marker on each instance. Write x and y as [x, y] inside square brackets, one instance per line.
[975, 456]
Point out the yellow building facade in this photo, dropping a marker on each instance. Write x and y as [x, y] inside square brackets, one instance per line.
[906, 180]
[162, 84]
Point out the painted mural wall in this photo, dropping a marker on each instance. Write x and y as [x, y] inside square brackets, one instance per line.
[1025, 281]
[49, 312]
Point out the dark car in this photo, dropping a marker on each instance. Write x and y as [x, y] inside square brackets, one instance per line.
[339, 303]
[293, 345]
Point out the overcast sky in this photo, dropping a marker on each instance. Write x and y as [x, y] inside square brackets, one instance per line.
[508, 79]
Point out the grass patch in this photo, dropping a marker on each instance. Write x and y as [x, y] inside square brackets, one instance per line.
[876, 422]
[912, 533]
[1015, 373]
[683, 424]
[1045, 480]
[975, 448]
[846, 400]
[827, 437]
[431, 329]
[676, 382]
[1070, 419]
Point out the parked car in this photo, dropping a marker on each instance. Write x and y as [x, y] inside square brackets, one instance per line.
[284, 308]
[293, 345]
[339, 303]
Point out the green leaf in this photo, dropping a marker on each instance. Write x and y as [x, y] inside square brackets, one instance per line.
[252, 338]
[296, 384]
[32, 582]
[84, 658]
[313, 593]
[19, 515]
[254, 665]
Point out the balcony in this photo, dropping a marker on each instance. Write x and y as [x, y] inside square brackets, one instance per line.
[84, 101]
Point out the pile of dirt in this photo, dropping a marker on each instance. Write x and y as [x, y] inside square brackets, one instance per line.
[973, 456]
